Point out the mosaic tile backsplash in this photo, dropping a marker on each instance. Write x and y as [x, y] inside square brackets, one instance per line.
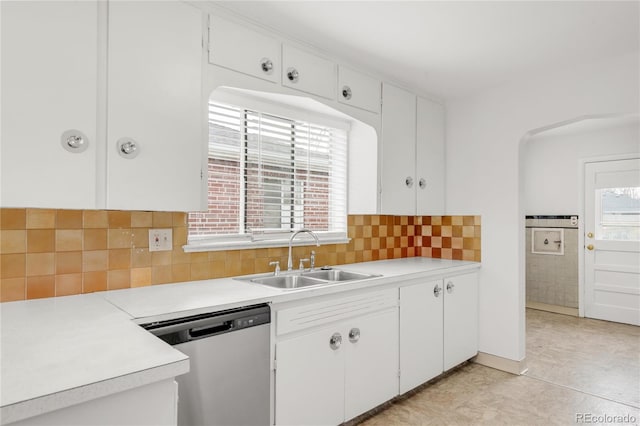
[47, 253]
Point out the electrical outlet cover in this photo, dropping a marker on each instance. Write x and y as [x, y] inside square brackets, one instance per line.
[160, 239]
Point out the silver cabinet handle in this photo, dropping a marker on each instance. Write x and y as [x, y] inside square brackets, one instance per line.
[450, 287]
[335, 341]
[354, 335]
[267, 65]
[437, 290]
[293, 75]
[408, 182]
[422, 183]
[74, 141]
[346, 92]
[127, 148]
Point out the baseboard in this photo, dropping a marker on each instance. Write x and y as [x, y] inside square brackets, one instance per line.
[553, 308]
[504, 364]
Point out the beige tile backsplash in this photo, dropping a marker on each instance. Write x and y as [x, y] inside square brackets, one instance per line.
[47, 253]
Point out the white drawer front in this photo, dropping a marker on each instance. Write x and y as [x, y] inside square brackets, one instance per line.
[358, 90]
[339, 308]
[313, 74]
[233, 46]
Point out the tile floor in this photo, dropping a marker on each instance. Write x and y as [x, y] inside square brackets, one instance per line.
[577, 367]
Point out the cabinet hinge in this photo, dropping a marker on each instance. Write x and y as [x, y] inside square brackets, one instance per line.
[201, 174]
[398, 374]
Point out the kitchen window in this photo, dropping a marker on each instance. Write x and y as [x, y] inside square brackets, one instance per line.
[268, 176]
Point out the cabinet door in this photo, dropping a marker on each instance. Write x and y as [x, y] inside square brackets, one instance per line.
[155, 99]
[397, 177]
[309, 73]
[371, 375]
[236, 47]
[49, 84]
[358, 90]
[310, 379]
[420, 333]
[460, 319]
[430, 158]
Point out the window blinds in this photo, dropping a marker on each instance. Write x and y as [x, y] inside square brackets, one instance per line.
[269, 175]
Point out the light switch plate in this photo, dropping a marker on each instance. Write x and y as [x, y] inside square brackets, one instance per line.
[160, 239]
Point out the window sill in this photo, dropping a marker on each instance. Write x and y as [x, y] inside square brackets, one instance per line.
[248, 245]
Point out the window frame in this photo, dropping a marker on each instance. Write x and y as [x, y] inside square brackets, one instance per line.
[212, 242]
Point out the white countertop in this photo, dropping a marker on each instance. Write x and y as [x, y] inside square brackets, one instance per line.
[57, 352]
[62, 351]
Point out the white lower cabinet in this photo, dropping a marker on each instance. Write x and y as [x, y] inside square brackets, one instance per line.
[420, 333]
[333, 373]
[460, 319]
[438, 327]
[155, 404]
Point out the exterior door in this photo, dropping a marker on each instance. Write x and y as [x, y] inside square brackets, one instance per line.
[612, 241]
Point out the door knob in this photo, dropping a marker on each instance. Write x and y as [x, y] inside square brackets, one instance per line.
[335, 341]
[354, 335]
[267, 65]
[408, 181]
[437, 290]
[590, 247]
[590, 235]
[74, 141]
[293, 75]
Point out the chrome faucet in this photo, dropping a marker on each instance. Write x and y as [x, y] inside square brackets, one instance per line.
[290, 259]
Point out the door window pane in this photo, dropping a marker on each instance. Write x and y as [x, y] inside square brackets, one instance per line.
[618, 214]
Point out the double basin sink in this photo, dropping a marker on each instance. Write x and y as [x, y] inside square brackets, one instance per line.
[300, 279]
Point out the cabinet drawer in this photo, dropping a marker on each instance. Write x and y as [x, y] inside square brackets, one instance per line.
[308, 73]
[358, 90]
[339, 308]
[242, 49]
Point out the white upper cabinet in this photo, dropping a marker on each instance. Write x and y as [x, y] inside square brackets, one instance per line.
[430, 161]
[398, 149]
[49, 77]
[412, 151]
[308, 73]
[241, 49]
[155, 73]
[70, 81]
[358, 90]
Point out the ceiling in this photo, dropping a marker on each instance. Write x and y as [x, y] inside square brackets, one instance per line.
[455, 48]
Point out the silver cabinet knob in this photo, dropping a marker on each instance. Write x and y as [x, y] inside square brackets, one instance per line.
[354, 335]
[127, 148]
[408, 182]
[437, 290]
[74, 141]
[450, 287]
[293, 75]
[422, 183]
[335, 341]
[267, 65]
[346, 92]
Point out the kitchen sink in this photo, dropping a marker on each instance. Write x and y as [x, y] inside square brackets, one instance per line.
[337, 275]
[288, 281]
[298, 279]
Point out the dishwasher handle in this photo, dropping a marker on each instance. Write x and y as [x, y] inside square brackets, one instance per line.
[185, 329]
[210, 329]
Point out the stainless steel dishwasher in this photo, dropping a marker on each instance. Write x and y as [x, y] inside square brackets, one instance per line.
[228, 382]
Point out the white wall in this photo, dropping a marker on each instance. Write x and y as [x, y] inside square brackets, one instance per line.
[551, 162]
[484, 134]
